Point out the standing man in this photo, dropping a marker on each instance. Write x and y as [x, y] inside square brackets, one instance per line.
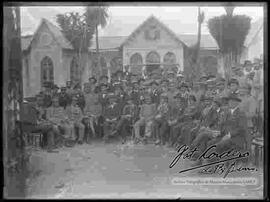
[92, 110]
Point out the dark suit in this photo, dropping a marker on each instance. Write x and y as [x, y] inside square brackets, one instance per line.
[155, 96]
[236, 124]
[212, 120]
[112, 114]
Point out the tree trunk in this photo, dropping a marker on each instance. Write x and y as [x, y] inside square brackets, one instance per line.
[197, 50]
[97, 51]
[14, 150]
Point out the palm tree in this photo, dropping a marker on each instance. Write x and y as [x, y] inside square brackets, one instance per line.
[200, 21]
[194, 51]
[98, 15]
[230, 32]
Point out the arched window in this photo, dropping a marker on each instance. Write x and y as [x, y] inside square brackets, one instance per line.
[46, 70]
[153, 58]
[169, 61]
[152, 61]
[136, 63]
[74, 70]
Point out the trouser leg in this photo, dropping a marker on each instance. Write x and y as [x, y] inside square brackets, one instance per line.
[81, 128]
[163, 130]
[137, 126]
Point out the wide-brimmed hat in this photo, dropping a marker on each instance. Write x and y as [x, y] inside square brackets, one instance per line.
[233, 80]
[206, 98]
[184, 84]
[103, 76]
[103, 85]
[164, 95]
[233, 97]
[154, 82]
[246, 86]
[164, 81]
[178, 95]
[112, 96]
[93, 78]
[247, 63]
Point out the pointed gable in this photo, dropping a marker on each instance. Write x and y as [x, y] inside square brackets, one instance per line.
[56, 33]
[151, 20]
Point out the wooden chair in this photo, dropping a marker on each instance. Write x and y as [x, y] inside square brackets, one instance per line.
[258, 145]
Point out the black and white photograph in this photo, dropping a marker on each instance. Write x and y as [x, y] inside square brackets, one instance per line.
[134, 100]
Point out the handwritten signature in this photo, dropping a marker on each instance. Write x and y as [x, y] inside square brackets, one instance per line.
[217, 166]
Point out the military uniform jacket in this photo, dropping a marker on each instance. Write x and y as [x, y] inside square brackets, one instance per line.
[164, 110]
[131, 110]
[92, 105]
[112, 111]
[148, 110]
[56, 114]
[187, 113]
[135, 96]
[155, 96]
[74, 113]
[47, 100]
[64, 99]
[212, 118]
[104, 101]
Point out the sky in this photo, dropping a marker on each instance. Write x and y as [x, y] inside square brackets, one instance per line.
[124, 19]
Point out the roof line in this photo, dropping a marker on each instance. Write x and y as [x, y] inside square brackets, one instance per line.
[144, 22]
[34, 34]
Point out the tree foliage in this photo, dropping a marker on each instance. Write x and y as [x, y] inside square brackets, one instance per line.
[77, 29]
[97, 15]
[230, 32]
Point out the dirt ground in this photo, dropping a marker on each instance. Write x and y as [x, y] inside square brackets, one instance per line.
[114, 170]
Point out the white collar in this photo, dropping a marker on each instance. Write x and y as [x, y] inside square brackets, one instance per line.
[233, 110]
[218, 109]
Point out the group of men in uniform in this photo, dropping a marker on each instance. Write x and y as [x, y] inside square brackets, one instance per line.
[162, 107]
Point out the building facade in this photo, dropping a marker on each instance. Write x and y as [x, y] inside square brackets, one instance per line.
[49, 56]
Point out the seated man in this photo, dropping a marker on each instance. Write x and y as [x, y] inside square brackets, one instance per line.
[57, 116]
[129, 116]
[234, 127]
[202, 112]
[184, 121]
[34, 120]
[75, 117]
[161, 120]
[111, 116]
[210, 126]
[147, 114]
